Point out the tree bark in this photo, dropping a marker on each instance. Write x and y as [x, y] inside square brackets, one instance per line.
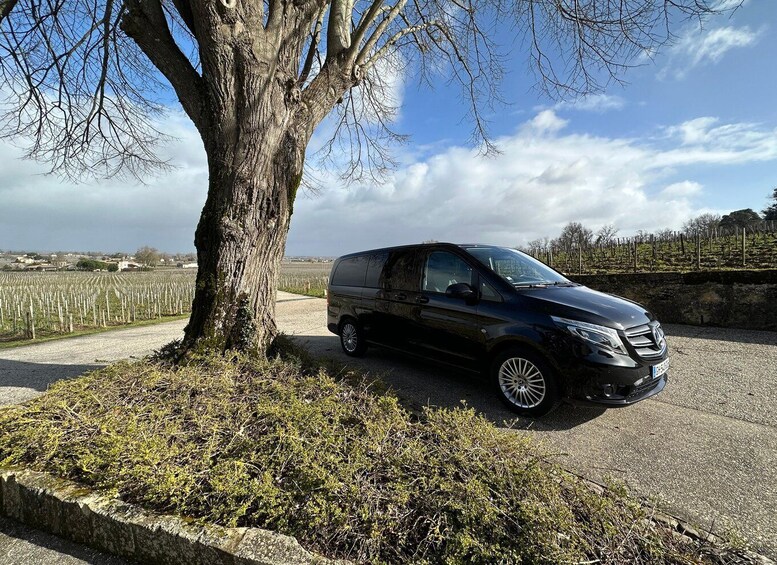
[240, 240]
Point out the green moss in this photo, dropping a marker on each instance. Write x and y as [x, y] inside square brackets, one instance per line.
[285, 445]
[243, 335]
[293, 188]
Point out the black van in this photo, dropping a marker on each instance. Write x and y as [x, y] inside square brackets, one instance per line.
[539, 335]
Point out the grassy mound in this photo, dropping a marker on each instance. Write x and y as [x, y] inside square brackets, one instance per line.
[348, 472]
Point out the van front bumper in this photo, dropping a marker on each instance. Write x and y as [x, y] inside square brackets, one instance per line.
[623, 395]
[592, 377]
[613, 386]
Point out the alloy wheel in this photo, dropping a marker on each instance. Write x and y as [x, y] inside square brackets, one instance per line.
[522, 383]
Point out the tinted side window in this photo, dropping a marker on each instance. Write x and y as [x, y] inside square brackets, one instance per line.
[488, 293]
[375, 270]
[351, 271]
[402, 271]
[444, 269]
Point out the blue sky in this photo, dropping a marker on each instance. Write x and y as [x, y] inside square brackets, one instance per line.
[693, 131]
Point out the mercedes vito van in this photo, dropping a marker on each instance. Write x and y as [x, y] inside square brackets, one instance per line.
[538, 335]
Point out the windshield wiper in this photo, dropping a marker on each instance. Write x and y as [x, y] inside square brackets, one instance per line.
[543, 284]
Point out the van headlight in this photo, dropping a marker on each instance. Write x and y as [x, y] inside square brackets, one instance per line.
[606, 338]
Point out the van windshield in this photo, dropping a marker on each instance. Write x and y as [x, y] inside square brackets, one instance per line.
[517, 268]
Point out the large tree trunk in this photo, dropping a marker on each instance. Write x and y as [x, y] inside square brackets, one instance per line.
[255, 124]
[241, 239]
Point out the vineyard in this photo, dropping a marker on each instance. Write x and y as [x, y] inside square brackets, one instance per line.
[35, 305]
[718, 250]
[305, 278]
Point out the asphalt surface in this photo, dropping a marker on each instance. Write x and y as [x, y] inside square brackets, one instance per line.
[20, 545]
[705, 449]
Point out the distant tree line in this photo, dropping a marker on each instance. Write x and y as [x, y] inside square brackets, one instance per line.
[575, 236]
[709, 241]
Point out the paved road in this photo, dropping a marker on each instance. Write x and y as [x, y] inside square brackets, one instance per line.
[705, 448]
[20, 545]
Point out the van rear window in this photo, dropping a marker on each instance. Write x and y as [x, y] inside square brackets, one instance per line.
[374, 270]
[351, 271]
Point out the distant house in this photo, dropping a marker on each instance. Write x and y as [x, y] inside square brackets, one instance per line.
[187, 265]
[128, 266]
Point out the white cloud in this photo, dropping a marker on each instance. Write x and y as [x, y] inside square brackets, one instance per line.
[598, 103]
[717, 42]
[707, 46]
[543, 179]
[727, 5]
[42, 212]
[682, 189]
[545, 122]
[703, 141]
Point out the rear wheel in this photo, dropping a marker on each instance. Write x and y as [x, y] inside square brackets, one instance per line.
[352, 338]
[525, 382]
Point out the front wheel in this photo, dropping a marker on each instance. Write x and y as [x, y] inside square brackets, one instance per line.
[352, 338]
[524, 382]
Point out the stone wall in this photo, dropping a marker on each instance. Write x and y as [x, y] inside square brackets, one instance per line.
[733, 299]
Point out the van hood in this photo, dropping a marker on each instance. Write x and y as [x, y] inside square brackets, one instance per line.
[587, 305]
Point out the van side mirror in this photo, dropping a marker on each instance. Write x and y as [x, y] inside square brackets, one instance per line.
[461, 290]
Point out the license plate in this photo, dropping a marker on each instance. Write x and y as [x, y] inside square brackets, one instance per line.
[660, 369]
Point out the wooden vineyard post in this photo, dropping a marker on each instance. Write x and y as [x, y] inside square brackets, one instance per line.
[698, 251]
[653, 245]
[744, 245]
[30, 325]
[580, 256]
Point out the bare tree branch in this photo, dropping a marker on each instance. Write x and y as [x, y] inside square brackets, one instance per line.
[392, 42]
[367, 19]
[338, 35]
[379, 31]
[73, 71]
[184, 9]
[312, 49]
[144, 21]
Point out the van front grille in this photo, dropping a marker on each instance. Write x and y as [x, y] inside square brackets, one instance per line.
[648, 340]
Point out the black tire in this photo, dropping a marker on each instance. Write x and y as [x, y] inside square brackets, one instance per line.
[525, 382]
[352, 338]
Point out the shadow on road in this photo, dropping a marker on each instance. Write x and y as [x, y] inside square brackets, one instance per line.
[420, 383]
[37, 376]
[21, 544]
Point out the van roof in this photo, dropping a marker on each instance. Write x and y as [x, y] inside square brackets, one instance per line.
[441, 244]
